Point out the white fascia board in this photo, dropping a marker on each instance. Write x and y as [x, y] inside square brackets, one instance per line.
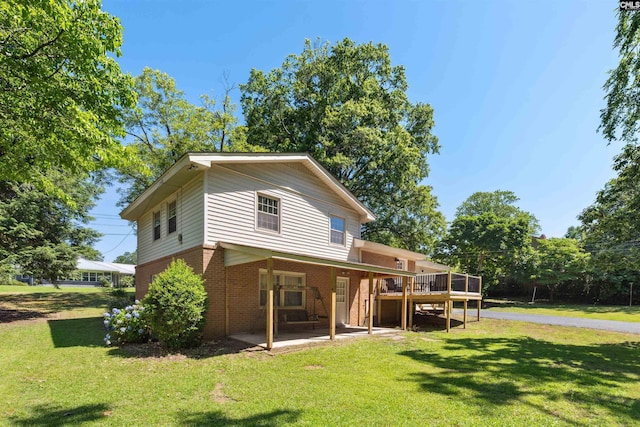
[171, 172]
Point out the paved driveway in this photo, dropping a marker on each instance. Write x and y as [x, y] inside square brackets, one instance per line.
[608, 325]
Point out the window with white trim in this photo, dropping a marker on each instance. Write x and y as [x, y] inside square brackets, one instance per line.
[337, 230]
[172, 218]
[289, 289]
[93, 276]
[156, 225]
[268, 213]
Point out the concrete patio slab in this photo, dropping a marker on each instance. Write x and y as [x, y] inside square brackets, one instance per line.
[294, 338]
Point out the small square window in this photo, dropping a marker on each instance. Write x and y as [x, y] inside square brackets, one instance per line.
[156, 225]
[337, 230]
[171, 217]
[268, 213]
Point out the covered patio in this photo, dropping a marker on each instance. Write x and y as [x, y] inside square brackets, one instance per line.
[238, 255]
[308, 337]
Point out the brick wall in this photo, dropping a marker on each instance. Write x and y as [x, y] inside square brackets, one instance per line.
[205, 260]
[243, 297]
[144, 272]
[214, 283]
[245, 314]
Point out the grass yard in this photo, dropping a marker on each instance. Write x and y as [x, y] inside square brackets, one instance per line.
[55, 371]
[47, 289]
[617, 312]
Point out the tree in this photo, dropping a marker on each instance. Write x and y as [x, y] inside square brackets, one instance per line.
[560, 262]
[48, 261]
[347, 106]
[127, 258]
[619, 120]
[611, 227]
[40, 232]
[501, 203]
[575, 232]
[487, 245]
[491, 237]
[163, 126]
[61, 90]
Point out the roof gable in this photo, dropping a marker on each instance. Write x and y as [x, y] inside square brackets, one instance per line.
[190, 164]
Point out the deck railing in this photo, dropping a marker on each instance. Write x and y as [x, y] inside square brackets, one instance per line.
[432, 283]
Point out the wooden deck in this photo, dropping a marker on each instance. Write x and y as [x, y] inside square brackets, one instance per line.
[433, 288]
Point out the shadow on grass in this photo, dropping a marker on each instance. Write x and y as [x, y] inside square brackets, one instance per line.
[217, 418]
[13, 315]
[53, 416]
[55, 302]
[501, 371]
[85, 332]
[203, 351]
[427, 322]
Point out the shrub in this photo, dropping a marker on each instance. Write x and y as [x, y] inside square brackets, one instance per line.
[176, 303]
[104, 282]
[126, 282]
[126, 325]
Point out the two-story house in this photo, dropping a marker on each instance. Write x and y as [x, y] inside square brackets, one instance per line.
[274, 236]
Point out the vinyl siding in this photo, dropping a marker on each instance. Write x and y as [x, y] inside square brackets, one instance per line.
[190, 224]
[305, 206]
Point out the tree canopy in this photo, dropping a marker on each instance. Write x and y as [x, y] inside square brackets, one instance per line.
[346, 105]
[163, 126]
[501, 203]
[560, 261]
[40, 232]
[490, 236]
[610, 226]
[127, 258]
[620, 118]
[61, 90]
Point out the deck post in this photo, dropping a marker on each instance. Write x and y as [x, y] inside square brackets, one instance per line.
[370, 303]
[480, 291]
[404, 303]
[379, 304]
[269, 309]
[466, 283]
[449, 282]
[412, 287]
[464, 319]
[332, 314]
[447, 308]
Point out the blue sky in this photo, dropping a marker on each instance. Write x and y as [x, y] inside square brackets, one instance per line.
[516, 86]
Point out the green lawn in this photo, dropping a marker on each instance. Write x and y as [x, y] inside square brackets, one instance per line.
[619, 312]
[47, 289]
[56, 371]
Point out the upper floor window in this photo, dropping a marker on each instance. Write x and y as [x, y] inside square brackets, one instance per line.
[400, 264]
[337, 230]
[171, 217]
[156, 225]
[268, 213]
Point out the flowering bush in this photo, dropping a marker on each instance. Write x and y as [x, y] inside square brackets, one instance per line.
[126, 325]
